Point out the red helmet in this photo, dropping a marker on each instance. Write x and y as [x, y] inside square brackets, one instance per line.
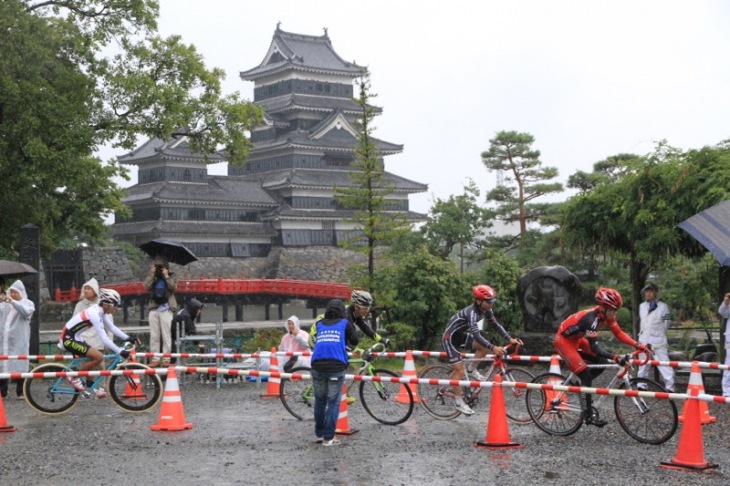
[609, 297]
[483, 292]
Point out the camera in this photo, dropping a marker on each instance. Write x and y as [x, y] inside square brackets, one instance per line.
[158, 270]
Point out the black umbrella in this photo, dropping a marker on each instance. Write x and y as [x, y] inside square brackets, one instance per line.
[15, 269]
[174, 251]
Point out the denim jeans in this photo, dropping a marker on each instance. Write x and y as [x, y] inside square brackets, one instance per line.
[327, 394]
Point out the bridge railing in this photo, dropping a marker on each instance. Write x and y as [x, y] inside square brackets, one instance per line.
[303, 288]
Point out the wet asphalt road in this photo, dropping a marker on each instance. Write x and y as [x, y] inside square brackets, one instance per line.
[239, 438]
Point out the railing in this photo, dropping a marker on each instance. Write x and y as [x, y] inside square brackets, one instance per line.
[299, 288]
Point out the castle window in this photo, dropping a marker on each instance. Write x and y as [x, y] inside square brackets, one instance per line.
[186, 175]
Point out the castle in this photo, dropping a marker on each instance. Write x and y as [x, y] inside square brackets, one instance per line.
[283, 196]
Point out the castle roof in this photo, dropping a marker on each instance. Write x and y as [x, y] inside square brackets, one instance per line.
[322, 178]
[220, 190]
[175, 148]
[297, 102]
[299, 52]
[232, 229]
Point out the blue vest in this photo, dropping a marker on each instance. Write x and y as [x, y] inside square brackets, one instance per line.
[331, 342]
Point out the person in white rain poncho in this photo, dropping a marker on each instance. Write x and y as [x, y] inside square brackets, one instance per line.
[16, 311]
[295, 340]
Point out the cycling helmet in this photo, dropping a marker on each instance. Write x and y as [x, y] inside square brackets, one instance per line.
[609, 298]
[361, 298]
[109, 296]
[484, 292]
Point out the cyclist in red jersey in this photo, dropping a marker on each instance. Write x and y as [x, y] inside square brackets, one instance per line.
[577, 342]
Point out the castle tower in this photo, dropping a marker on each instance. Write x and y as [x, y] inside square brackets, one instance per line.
[308, 141]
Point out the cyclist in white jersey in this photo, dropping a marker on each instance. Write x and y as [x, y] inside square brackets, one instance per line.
[95, 316]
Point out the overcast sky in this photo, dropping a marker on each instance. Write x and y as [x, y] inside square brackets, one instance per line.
[588, 79]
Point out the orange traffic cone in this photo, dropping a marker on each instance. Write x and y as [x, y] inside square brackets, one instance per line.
[551, 395]
[4, 427]
[497, 428]
[274, 384]
[690, 450]
[133, 390]
[343, 424]
[409, 371]
[172, 416]
[695, 383]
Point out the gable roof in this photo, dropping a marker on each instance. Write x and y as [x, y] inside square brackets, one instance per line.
[175, 148]
[289, 51]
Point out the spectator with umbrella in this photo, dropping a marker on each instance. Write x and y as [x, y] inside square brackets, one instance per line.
[161, 283]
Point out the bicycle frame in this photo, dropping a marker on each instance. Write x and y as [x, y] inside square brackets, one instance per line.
[388, 402]
[646, 418]
[54, 395]
[438, 401]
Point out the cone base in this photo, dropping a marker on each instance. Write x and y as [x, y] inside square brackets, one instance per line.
[705, 468]
[498, 445]
[346, 432]
[269, 396]
[703, 420]
[7, 428]
[171, 428]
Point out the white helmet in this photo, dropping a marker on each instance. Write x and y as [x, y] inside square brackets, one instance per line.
[361, 298]
[109, 296]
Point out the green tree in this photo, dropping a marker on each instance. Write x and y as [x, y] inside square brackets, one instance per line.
[457, 221]
[62, 97]
[511, 154]
[422, 292]
[636, 215]
[376, 221]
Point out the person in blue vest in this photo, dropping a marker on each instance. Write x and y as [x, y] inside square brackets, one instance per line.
[329, 366]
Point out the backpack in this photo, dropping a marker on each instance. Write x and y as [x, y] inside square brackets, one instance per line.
[160, 292]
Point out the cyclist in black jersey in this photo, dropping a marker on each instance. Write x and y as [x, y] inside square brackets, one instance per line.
[463, 329]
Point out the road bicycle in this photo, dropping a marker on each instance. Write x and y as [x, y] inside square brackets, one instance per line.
[649, 420]
[133, 393]
[389, 403]
[438, 400]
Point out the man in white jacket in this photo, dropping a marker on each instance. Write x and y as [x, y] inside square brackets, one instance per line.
[655, 319]
[724, 311]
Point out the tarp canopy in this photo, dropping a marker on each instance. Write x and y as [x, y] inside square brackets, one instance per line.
[711, 228]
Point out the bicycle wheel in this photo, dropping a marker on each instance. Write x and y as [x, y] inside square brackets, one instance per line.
[50, 395]
[648, 420]
[135, 393]
[514, 398]
[387, 402]
[437, 400]
[554, 412]
[297, 395]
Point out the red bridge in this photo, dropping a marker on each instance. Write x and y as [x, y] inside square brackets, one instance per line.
[230, 291]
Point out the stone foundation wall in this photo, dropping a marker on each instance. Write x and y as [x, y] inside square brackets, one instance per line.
[107, 265]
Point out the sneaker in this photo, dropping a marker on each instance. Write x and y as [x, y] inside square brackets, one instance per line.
[165, 363]
[350, 400]
[464, 408]
[319, 440]
[478, 376]
[595, 421]
[100, 392]
[331, 442]
[77, 383]
[154, 363]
